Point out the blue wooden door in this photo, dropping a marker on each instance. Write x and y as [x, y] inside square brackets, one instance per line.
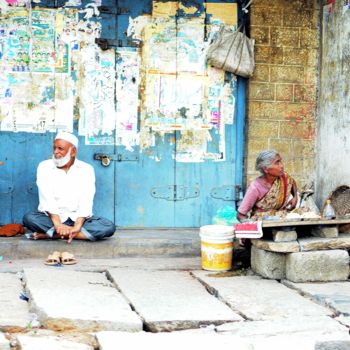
[39, 93]
[188, 162]
[175, 152]
[21, 153]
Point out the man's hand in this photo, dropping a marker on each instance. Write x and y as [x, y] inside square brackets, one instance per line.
[76, 229]
[63, 230]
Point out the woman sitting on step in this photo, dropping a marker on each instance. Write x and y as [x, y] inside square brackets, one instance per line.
[273, 190]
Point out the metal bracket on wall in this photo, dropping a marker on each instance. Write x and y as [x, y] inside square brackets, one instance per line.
[174, 192]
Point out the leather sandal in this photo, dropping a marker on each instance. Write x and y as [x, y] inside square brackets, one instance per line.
[68, 259]
[53, 259]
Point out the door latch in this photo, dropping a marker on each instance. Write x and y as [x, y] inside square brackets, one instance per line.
[104, 158]
[120, 157]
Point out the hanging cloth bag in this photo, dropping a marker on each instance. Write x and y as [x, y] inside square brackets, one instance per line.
[232, 52]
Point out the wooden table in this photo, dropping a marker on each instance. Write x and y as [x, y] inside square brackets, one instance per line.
[304, 222]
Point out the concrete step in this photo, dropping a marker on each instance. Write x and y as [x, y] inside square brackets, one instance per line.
[125, 242]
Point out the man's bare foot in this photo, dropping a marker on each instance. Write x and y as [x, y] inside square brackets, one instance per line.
[37, 236]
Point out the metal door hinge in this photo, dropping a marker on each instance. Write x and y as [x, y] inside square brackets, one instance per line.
[175, 192]
[227, 193]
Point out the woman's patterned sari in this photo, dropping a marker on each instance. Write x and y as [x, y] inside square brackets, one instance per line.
[277, 197]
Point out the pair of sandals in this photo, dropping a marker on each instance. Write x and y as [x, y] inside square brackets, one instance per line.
[58, 258]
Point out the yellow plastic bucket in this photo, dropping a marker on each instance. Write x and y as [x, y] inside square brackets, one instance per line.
[216, 247]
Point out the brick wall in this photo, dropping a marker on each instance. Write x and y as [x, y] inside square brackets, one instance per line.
[281, 99]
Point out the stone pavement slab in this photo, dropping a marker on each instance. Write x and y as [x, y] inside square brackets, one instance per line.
[170, 300]
[72, 300]
[315, 327]
[14, 315]
[345, 320]
[4, 343]
[333, 345]
[260, 299]
[190, 340]
[335, 295]
[49, 343]
[169, 341]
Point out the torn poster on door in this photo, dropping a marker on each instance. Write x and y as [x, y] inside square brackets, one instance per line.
[96, 91]
[127, 96]
[164, 92]
[43, 41]
[181, 94]
[39, 68]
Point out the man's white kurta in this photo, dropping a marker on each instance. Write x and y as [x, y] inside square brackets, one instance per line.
[69, 195]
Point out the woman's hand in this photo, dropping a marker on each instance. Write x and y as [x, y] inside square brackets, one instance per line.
[292, 203]
[241, 216]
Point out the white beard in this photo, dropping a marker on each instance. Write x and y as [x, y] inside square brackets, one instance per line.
[61, 162]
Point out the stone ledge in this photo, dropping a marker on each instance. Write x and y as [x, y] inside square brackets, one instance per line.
[317, 243]
[124, 243]
[325, 231]
[304, 244]
[267, 264]
[284, 235]
[317, 266]
[276, 247]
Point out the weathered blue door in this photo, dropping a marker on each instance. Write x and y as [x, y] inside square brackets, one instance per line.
[188, 163]
[163, 131]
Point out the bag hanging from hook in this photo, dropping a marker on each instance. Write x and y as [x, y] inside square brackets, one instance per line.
[232, 52]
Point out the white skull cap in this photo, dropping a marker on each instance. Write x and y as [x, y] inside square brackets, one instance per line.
[66, 136]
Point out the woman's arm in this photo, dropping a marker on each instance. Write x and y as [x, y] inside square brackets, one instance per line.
[248, 202]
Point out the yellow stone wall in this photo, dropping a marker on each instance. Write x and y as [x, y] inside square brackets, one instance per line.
[281, 96]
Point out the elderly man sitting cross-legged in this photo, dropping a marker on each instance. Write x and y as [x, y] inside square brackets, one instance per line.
[66, 192]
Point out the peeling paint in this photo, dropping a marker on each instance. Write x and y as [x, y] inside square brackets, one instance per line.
[222, 13]
[137, 25]
[165, 87]
[127, 96]
[164, 9]
[44, 42]
[180, 93]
